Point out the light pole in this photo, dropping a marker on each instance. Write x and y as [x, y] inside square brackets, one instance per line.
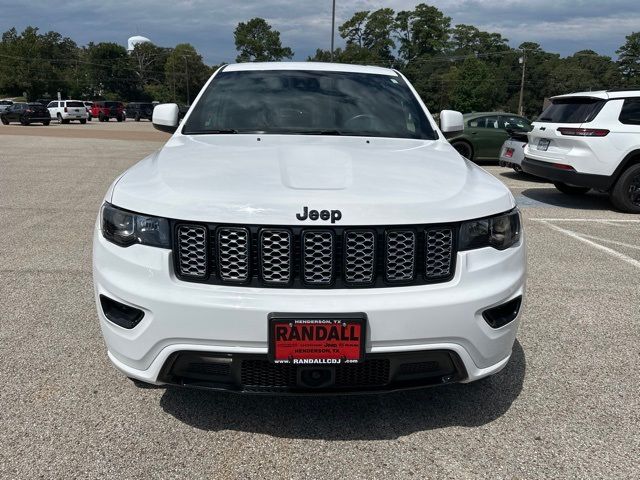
[523, 61]
[333, 26]
[186, 68]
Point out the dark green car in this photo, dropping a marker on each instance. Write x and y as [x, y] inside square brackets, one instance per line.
[485, 132]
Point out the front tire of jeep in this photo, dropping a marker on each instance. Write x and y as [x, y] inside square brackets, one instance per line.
[571, 189]
[625, 195]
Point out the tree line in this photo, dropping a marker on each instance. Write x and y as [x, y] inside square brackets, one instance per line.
[451, 66]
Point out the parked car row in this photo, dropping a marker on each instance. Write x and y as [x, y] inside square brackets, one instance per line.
[66, 111]
[581, 142]
[25, 114]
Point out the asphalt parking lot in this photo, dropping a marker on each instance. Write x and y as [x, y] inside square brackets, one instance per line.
[566, 406]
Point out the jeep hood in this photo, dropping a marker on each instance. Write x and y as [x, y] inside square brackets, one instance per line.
[267, 179]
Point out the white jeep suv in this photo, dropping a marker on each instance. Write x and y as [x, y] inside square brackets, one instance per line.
[590, 140]
[308, 228]
[67, 110]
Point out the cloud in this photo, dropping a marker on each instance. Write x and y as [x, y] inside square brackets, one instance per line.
[558, 25]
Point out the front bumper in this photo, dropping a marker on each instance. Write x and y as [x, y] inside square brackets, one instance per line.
[224, 320]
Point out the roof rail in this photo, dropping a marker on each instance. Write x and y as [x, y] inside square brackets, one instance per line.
[625, 89]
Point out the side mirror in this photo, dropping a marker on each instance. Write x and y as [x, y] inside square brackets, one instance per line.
[165, 117]
[451, 123]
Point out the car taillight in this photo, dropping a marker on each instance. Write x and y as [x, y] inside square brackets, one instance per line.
[65, 110]
[584, 132]
[562, 166]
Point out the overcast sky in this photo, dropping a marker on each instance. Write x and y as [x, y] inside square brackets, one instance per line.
[562, 26]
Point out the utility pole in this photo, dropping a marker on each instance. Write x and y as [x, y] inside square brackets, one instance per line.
[186, 69]
[333, 26]
[523, 61]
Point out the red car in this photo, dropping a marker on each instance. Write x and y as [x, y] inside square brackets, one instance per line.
[105, 110]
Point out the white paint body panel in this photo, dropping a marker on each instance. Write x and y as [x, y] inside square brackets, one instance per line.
[266, 180]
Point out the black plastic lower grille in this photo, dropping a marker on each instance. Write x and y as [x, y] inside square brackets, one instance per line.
[256, 374]
[297, 257]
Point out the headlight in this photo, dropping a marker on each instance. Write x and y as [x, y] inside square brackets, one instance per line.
[125, 228]
[499, 232]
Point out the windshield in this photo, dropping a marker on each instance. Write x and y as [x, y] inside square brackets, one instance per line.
[572, 110]
[305, 102]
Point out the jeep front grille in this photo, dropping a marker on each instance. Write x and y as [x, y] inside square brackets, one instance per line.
[317, 257]
[275, 255]
[401, 255]
[359, 256]
[439, 243]
[233, 254]
[328, 257]
[192, 251]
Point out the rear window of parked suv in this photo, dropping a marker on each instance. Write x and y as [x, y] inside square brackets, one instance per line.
[75, 104]
[572, 110]
[630, 114]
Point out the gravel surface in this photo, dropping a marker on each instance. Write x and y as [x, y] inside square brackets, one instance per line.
[566, 406]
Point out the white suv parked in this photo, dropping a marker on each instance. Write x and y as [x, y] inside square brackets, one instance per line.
[67, 110]
[590, 140]
[308, 227]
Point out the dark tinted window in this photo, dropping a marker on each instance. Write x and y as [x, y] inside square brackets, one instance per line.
[112, 104]
[305, 102]
[484, 122]
[510, 122]
[572, 110]
[630, 113]
[75, 104]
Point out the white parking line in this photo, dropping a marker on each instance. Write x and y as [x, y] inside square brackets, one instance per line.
[610, 251]
[614, 242]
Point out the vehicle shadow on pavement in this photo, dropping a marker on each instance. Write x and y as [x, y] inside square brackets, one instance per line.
[364, 417]
[550, 196]
[522, 176]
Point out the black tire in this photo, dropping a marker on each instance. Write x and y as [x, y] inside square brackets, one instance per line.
[83, 121]
[571, 189]
[625, 195]
[46, 123]
[89, 118]
[24, 121]
[4, 121]
[119, 118]
[137, 117]
[516, 168]
[101, 117]
[59, 117]
[464, 148]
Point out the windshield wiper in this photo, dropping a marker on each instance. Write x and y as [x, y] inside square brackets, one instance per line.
[221, 131]
[315, 132]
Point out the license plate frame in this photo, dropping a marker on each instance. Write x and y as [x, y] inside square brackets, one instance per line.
[543, 144]
[326, 351]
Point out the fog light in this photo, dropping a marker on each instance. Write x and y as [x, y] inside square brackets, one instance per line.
[122, 315]
[499, 316]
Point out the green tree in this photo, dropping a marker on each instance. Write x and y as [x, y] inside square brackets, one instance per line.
[469, 40]
[257, 41]
[629, 58]
[111, 71]
[474, 86]
[185, 73]
[422, 31]
[38, 64]
[148, 63]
